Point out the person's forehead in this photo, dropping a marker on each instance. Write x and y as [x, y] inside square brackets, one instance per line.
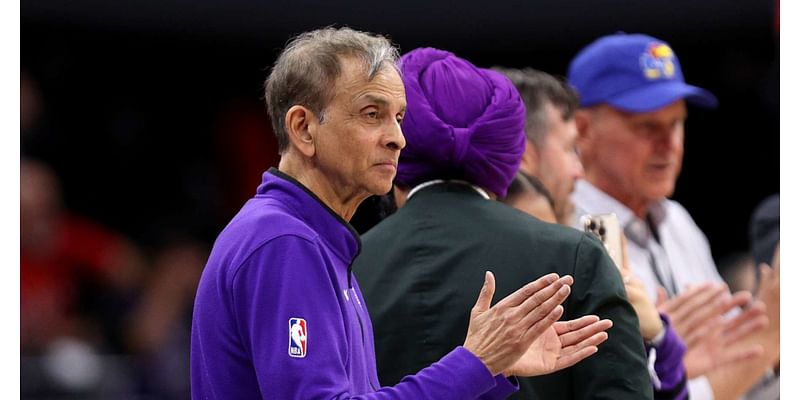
[385, 87]
[676, 109]
[354, 71]
[560, 129]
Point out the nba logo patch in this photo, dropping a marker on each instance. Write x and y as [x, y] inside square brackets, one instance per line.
[298, 337]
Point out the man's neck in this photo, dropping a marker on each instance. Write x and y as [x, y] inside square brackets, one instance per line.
[342, 203]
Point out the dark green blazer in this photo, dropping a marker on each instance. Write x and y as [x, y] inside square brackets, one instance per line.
[421, 269]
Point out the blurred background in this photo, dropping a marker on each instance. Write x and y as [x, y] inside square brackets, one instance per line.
[143, 131]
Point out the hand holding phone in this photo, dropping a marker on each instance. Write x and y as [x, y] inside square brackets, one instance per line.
[606, 228]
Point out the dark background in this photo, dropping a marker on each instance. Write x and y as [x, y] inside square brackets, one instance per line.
[152, 112]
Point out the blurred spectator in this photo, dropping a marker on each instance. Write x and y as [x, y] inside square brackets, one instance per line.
[37, 139]
[159, 327]
[764, 241]
[631, 135]
[673, 365]
[30, 103]
[77, 282]
[97, 321]
[765, 224]
[75, 275]
[550, 135]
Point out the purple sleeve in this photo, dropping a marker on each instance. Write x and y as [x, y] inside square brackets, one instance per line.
[669, 364]
[458, 375]
[503, 388]
[291, 278]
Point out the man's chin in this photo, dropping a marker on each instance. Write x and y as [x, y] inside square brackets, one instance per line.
[382, 189]
[661, 191]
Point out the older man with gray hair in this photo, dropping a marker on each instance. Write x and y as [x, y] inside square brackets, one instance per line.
[278, 313]
[631, 123]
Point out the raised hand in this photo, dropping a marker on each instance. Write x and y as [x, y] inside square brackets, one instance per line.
[717, 342]
[500, 335]
[563, 345]
[698, 316]
[692, 309]
[769, 287]
[769, 291]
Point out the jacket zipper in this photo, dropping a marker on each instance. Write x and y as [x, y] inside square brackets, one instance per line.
[360, 325]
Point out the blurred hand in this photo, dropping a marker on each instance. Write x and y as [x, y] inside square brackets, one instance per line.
[698, 316]
[717, 342]
[500, 335]
[692, 309]
[650, 324]
[769, 291]
[769, 287]
[563, 345]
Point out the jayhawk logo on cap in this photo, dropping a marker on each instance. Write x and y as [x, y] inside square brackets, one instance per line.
[298, 337]
[658, 61]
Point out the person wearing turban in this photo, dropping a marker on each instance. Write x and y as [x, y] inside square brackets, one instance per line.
[420, 268]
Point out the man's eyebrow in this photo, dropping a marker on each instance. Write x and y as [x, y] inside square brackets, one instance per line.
[382, 101]
[371, 98]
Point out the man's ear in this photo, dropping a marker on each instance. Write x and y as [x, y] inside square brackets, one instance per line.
[301, 127]
[530, 159]
[585, 139]
[582, 123]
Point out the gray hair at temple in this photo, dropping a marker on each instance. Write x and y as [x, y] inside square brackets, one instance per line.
[537, 88]
[307, 69]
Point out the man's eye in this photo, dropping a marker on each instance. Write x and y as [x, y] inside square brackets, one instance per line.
[372, 115]
[646, 130]
[399, 119]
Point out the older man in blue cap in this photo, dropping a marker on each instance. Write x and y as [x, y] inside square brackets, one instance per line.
[631, 134]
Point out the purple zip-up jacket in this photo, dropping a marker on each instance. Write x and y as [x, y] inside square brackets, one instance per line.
[285, 258]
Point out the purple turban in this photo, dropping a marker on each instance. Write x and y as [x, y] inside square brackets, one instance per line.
[462, 122]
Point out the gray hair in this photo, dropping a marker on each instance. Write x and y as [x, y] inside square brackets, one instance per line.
[307, 69]
[537, 88]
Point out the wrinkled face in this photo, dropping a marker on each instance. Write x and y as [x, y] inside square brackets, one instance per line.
[359, 139]
[559, 166]
[636, 157]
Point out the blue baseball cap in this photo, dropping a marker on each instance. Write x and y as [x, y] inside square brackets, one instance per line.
[634, 73]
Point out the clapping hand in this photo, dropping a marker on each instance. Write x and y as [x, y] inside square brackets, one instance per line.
[520, 336]
[563, 345]
[698, 316]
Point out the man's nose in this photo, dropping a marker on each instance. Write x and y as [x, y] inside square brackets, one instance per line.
[395, 139]
[670, 140]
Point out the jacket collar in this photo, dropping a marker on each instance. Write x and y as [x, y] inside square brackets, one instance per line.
[331, 228]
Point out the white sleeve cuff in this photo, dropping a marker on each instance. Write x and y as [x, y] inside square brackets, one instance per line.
[700, 389]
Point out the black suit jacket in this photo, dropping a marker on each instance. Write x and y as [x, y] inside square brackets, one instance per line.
[421, 269]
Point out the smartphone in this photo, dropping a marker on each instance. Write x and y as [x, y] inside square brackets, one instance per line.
[606, 228]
